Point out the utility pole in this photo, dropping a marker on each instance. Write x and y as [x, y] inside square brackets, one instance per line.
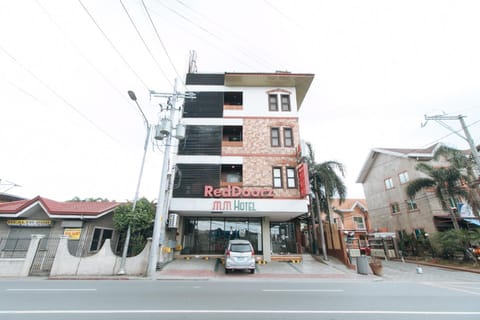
[467, 137]
[163, 131]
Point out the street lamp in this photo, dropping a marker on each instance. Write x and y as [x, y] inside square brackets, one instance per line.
[121, 271]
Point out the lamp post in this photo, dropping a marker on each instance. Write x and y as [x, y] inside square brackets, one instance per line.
[121, 270]
[164, 132]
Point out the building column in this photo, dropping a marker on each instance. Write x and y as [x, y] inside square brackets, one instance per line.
[267, 256]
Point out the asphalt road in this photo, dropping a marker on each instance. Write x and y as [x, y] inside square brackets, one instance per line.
[238, 299]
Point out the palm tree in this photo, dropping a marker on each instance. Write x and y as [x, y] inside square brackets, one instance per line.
[326, 182]
[464, 164]
[447, 182]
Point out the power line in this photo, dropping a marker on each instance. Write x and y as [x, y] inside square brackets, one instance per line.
[80, 53]
[259, 59]
[424, 146]
[282, 13]
[163, 45]
[208, 32]
[112, 45]
[145, 44]
[56, 94]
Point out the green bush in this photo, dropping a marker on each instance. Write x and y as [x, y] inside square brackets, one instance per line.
[454, 242]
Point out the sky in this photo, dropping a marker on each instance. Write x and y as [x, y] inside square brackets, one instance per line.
[68, 128]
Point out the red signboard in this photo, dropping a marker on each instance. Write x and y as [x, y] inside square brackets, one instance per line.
[303, 179]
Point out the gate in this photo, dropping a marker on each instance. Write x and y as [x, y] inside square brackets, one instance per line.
[43, 260]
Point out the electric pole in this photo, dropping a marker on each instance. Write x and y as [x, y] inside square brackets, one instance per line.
[467, 137]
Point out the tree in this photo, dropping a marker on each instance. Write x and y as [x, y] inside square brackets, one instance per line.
[98, 199]
[466, 165]
[140, 221]
[447, 182]
[326, 182]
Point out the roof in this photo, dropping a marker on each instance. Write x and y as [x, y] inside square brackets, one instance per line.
[58, 209]
[424, 154]
[301, 81]
[348, 205]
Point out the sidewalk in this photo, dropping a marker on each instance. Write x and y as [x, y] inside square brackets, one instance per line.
[212, 269]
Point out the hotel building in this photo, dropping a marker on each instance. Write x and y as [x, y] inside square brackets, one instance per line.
[238, 174]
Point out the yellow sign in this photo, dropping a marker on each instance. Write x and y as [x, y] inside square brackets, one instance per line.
[73, 234]
[29, 223]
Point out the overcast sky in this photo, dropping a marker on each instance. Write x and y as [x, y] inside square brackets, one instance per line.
[68, 128]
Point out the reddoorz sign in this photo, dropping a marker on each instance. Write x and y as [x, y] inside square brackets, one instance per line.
[237, 192]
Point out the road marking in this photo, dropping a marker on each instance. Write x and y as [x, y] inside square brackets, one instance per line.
[202, 311]
[302, 290]
[53, 289]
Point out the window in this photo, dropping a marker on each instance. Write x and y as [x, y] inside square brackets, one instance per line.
[291, 178]
[389, 183]
[395, 207]
[99, 237]
[403, 177]
[287, 137]
[412, 205]
[285, 99]
[231, 173]
[272, 102]
[233, 98]
[277, 177]
[359, 223]
[275, 137]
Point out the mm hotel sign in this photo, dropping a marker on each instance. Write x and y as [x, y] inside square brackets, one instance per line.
[237, 192]
[29, 223]
[235, 205]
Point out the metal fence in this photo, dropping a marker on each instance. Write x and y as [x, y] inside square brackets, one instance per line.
[43, 261]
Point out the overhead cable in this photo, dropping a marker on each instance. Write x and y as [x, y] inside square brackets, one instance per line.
[112, 45]
[145, 44]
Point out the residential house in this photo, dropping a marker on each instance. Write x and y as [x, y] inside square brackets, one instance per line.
[88, 224]
[351, 217]
[385, 176]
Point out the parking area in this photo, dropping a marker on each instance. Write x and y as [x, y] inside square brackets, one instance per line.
[310, 268]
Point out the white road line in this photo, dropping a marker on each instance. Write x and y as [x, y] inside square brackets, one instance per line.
[202, 311]
[53, 289]
[302, 290]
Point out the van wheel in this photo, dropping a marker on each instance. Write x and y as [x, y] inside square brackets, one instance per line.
[226, 270]
[252, 271]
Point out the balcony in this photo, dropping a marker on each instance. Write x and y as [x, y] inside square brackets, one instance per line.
[231, 175]
[232, 101]
[232, 136]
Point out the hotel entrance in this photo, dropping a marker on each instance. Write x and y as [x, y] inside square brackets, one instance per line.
[210, 235]
[282, 237]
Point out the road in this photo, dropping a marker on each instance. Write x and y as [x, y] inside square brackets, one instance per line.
[238, 298]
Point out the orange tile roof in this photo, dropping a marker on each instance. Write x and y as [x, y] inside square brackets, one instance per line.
[348, 204]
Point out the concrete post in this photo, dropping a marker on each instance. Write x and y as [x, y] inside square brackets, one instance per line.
[267, 249]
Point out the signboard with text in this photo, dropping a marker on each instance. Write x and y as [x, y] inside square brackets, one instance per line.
[72, 233]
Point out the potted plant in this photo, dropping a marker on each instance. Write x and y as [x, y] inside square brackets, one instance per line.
[376, 266]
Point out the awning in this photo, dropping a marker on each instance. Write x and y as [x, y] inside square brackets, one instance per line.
[473, 221]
